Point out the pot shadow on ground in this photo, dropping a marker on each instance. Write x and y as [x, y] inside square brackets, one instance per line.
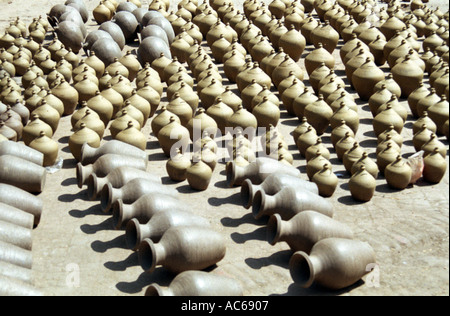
[160, 276]
[103, 246]
[68, 197]
[246, 218]
[348, 199]
[279, 258]
[234, 199]
[257, 234]
[92, 210]
[317, 290]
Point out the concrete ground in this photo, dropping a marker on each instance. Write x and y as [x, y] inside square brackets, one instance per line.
[76, 250]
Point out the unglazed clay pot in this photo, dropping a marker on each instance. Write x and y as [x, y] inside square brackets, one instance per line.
[155, 228]
[369, 165]
[384, 119]
[318, 56]
[16, 235]
[398, 173]
[105, 164]
[362, 185]
[22, 173]
[16, 216]
[197, 283]
[431, 144]
[257, 171]
[48, 147]
[366, 77]
[288, 202]
[183, 248]
[81, 136]
[305, 229]
[198, 175]
[439, 113]
[132, 191]
[319, 114]
[172, 134]
[20, 150]
[334, 263]
[68, 95]
[326, 181]
[177, 165]
[408, 75]
[386, 156]
[21, 199]
[15, 255]
[117, 178]
[144, 208]
[132, 136]
[90, 154]
[435, 167]
[273, 184]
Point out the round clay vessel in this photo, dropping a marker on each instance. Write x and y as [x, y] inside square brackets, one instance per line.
[398, 174]
[326, 181]
[370, 165]
[198, 175]
[408, 75]
[81, 136]
[334, 263]
[183, 248]
[362, 185]
[177, 165]
[435, 167]
[197, 283]
[366, 77]
[305, 229]
[48, 147]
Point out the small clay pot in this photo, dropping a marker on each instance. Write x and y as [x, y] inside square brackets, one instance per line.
[398, 174]
[362, 185]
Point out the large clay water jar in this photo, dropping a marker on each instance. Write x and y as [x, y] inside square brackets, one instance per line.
[21, 151]
[288, 202]
[256, 171]
[398, 174]
[435, 167]
[21, 199]
[48, 147]
[22, 174]
[90, 154]
[366, 77]
[408, 75]
[117, 178]
[105, 164]
[183, 248]
[305, 229]
[155, 228]
[334, 263]
[197, 283]
[273, 184]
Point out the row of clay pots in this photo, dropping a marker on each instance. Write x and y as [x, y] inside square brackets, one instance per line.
[21, 177]
[302, 219]
[156, 221]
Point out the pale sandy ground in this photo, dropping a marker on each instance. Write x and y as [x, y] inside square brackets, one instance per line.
[409, 229]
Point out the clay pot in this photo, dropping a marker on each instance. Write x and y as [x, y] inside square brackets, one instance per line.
[131, 192]
[15, 235]
[18, 217]
[398, 173]
[199, 174]
[318, 56]
[33, 129]
[424, 119]
[102, 106]
[243, 119]
[288, 202]
[386, 156]
[132, 136]
[369, 165]
[256, 171]
[197, 283]
[439, 113]
[435, 167]
[433, 143]
[299, 104]
[68, 95]
[293, 43]
[307, 27]
[408, 75]
[177, 243]
[334, 263]
[391, 26]
[318, 114]
[305, 229]
[266, 113]
[351, 156]
[90, 154]
[21, 199]
[345, 113]
[220, 112]
[117, 178]
[273, 184]
[386, 118]
[81, 136]
[22, 173]
[326, 35]
[396, 106]
[427, 101]
[326, 181]
[19, 150]
[366, 77]
[48, 147]
[167, 139]
[15, 255]
[105, 164]
[160, 222]
[114, 97]
[362, 185]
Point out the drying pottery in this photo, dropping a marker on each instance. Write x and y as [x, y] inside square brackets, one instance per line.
[22, 174]
[21, 199]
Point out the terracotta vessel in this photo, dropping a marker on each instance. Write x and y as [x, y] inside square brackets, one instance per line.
[48, 147]
[326, 181]
[172, 134]
[366, 77]
[22, 173]
[15, 255]
[20, 150]
[199, 174]
[369, 165]
[197, 283]
[13, 215]
[155, 228]
[319, 114]
[334, 263]
[398, 173]
[273, 184]
[362, 185]
[435, 167]
[117, 178]
[105, 164]
[256, 171]
[288, 202]
[68, 95]
[305, 229]
[90, 154]
[81, 136]
[408, 75]
[21, 199]
[132, 191]
[16, 235]
[177, 165]
[183, 248]
[318, 56]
